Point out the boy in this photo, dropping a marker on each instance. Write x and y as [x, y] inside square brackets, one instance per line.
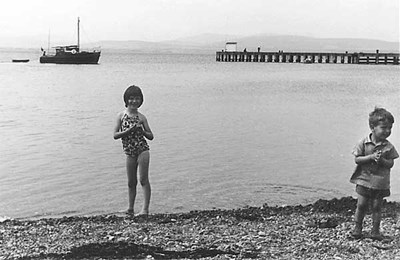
[374, 156]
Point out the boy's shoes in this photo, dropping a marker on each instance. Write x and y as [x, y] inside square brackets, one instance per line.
[379, 237]
[356, 234]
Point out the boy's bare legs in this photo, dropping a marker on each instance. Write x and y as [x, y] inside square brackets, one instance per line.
[144, 161]
[362, 205]
[376, 217]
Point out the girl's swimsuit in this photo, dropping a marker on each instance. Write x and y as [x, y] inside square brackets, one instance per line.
[135, 143]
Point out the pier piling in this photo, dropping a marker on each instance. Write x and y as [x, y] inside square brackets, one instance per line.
[309, 57]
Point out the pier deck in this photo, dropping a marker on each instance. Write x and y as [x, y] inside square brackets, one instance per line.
[309, 57]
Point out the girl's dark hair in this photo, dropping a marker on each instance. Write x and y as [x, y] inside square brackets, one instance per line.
[380, 115]
[133, 91]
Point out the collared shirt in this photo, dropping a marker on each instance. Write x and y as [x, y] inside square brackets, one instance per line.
[372, 175]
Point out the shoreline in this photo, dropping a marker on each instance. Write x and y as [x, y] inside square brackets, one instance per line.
[312, 231]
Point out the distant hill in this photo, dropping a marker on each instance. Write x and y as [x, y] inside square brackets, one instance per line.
[204, 39]
[301, 43]
[210, 43]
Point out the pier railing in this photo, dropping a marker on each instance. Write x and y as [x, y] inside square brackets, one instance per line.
[309, 57]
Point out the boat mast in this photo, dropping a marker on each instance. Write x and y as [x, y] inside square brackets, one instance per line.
[78, 33]
[48, 42]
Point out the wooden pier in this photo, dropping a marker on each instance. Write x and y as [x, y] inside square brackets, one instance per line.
[309, 57]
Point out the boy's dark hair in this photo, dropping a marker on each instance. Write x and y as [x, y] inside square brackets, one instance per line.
[133, 91]
[380, 115]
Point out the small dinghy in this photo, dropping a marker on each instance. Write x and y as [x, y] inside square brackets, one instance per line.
[20, 60]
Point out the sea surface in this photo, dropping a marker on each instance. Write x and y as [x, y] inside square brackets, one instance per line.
[227, 135]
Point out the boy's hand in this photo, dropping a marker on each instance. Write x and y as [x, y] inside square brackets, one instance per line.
[376, 156]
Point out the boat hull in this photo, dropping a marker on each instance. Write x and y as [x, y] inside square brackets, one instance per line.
[77, 58]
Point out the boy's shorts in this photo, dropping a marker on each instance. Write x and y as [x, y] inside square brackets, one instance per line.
[372, 193]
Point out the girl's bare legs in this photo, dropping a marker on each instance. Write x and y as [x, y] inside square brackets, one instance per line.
[131, 170]
[143, 162]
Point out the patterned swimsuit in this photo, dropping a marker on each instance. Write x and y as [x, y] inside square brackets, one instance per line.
[133, 144]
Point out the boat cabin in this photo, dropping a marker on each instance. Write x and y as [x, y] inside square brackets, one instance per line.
[67, 49]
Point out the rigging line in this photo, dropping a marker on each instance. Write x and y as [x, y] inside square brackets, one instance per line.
[86, 36]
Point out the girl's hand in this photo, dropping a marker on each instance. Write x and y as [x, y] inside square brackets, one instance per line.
[135, 127]
[139, 128]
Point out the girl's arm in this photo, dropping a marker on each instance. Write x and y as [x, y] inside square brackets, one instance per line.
[117, 129]
[146, 129]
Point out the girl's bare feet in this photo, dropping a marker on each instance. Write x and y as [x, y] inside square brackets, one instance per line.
[142, 213]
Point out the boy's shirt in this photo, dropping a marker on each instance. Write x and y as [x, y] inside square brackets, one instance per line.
[372, 175]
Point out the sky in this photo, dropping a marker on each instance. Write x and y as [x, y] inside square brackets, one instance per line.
[158, 20]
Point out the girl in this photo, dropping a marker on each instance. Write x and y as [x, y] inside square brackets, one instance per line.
[132, 127]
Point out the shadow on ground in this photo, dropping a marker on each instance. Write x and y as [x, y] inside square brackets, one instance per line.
[125, 249]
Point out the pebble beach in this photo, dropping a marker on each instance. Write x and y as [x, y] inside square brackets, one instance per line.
[315, 231]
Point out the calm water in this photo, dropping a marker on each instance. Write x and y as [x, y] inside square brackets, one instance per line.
[227, 135]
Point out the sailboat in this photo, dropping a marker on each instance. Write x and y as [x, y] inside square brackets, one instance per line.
[71, 54]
